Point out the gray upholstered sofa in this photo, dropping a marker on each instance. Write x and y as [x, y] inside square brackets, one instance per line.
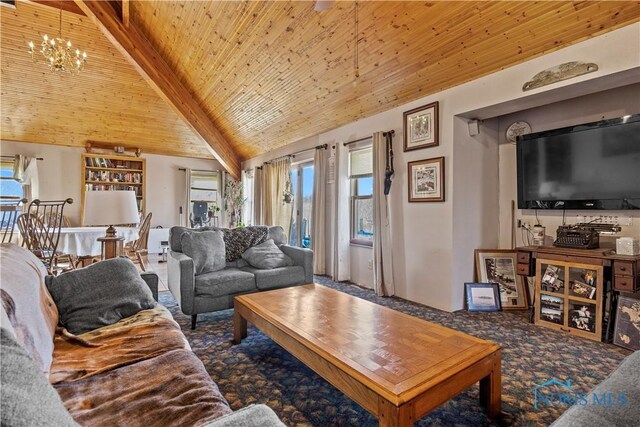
[214, 291]
[618, 400]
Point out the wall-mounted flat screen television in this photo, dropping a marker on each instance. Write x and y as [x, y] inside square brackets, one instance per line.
[589, 166]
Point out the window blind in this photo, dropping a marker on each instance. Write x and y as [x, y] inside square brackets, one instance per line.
[360, 162]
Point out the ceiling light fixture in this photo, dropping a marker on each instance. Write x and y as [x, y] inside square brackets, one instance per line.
[58, 54]
[356, 61]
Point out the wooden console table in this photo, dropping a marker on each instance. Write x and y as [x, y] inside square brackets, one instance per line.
[576, 289]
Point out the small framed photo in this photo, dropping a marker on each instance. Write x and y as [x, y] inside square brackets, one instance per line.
[426, 180]
[421, 127]
[499, 266]
[627, 330]
[482, 296]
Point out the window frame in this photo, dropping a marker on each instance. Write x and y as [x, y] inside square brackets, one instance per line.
[355, 196]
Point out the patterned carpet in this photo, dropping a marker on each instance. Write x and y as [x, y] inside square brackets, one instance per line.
[260, 371]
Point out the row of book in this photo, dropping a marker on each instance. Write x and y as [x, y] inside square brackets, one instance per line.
[99, 162]
[111, 187]
[107, 176]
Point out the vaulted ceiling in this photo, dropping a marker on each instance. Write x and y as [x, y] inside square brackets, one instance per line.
[270, 73]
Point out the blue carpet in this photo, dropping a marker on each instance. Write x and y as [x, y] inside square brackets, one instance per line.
[260, 371]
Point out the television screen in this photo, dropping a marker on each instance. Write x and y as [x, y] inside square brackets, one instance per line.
[590, 166]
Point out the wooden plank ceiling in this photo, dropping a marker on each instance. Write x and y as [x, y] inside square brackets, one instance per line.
[271, 73]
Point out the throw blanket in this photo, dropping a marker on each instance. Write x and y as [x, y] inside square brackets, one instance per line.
[142, 336]
[173, 388]
[238, 240]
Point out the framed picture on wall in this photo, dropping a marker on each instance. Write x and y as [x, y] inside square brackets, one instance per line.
[627, 331]
[499, 266]
[426, 180]
[421, 127]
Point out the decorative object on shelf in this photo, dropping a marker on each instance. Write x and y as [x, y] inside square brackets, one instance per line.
[627, 332]
[482, 296]
[233, 201]
[499, 266]
[516, 129]
[558, 73]
[426, 180]
[421, 127]
[58, 53]
[111, 208]
[287, 194]
[121, 150]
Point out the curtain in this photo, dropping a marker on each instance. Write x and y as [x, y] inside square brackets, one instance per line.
[341, 232]
[275, 177]
[382, 253]
[257, 196]
[26, 172]
[318, 208]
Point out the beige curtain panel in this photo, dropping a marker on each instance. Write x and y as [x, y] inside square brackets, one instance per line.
[275, 177]
[318, 217]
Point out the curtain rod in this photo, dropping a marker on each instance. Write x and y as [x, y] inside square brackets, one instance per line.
[317, 147]
[358, 140]
[13, 157]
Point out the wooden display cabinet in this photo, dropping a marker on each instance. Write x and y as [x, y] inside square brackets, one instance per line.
[102, 172]
[569, 297]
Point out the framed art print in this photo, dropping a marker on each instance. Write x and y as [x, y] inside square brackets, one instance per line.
[482, 296]
[627, 330]
[499, 266]
[426, 180]
[421, 127]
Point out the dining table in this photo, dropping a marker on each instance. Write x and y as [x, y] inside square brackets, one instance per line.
[83, 241]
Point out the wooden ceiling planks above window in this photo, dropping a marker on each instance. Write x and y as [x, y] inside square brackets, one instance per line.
[270, 73]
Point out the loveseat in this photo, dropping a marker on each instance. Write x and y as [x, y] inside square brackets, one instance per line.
[136, 371]
[215, 289]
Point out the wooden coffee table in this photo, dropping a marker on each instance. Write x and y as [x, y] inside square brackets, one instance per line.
[396, 366]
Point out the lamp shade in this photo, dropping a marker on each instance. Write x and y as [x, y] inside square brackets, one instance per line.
[110, 208]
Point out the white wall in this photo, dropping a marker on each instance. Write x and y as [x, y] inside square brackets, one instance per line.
[60, 177]
[433, 242]
[602, 105]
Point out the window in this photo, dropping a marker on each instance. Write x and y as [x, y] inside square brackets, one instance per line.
[204, 203]
[10, 192]
[302, 188]
[247, 186]
[361, 175]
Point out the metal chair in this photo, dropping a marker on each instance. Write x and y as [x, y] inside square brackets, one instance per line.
[138, 247]
[10, 208]
[42, 237]
[52, 218]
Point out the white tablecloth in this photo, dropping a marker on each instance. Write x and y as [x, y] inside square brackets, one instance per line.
[83, 241]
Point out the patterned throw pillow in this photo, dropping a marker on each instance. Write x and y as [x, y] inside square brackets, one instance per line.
[238, 240]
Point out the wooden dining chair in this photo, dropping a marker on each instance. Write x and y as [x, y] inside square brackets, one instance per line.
[139, 247]
[10, 210]
[42, 237]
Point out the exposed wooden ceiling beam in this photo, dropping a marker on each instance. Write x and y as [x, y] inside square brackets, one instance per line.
[66, 5]
[155, 70]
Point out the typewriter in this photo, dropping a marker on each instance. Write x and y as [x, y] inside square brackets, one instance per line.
[582, 236]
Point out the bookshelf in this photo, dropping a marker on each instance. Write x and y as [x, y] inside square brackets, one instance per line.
[101, 172]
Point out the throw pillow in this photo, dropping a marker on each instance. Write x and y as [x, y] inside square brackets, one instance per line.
[99, 295]
[27, 398]
[266, 256]
[28, 309]
[206, 248]
[238, 240]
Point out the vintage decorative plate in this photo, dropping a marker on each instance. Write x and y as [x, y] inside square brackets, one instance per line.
[516, 129]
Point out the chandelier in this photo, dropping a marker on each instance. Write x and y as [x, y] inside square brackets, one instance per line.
[58, 53]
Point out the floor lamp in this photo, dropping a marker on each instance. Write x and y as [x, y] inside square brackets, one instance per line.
[111, 208]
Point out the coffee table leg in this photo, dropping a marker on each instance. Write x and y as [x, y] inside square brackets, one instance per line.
[239, 327]
[491, 388]
[390, 415]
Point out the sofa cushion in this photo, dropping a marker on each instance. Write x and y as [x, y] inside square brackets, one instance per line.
[176, 232]
[207, 249]
[27, 398]
[238, 240]
[224, 282]
[277, 277]
[99, 295]
[28, 307]
[624, 381]
[249, 416]
[171, 389]
[267, 256]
